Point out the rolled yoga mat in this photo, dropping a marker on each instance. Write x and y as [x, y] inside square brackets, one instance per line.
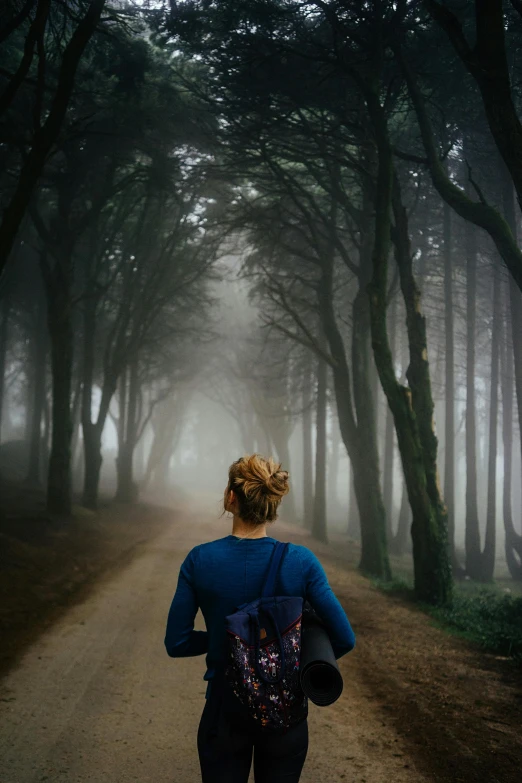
[321, 679]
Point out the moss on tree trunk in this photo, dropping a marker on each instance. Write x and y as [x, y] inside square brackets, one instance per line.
[412, 407]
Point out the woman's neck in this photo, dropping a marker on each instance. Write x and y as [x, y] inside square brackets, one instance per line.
[247, 530]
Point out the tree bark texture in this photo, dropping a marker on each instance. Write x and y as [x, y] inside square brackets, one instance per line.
[389, 443]
[513, 542]
[332, 471]
[449, 420]
[5, 308]
[358, 436]
[319, 526]
[93, 430]
[472, 530]
[354, 522]
[399, 543]
[307, 433]
[61, 337]
[412, 407]
[167, 426]
[39, 362]
[367, 477]
[127, 490]
[488, 556]
[513, 307]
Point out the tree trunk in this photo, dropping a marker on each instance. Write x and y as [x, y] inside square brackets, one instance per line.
[432, 567]
[264, 444]
[61, 335]
[278, 430]
[367, 478]
[513, 542]
[488, 556]
[127, 490]
[389, 444]
[280, 441]
[319, 525]
[92, 461]
[359, 436]
[28, 395]
[399, 543]
[472, 533]
[93, 430]
[332, 469]
[412, 407]
[140, 460]
[449, 419]
[516, 327]
[354, 523]
[167, 428]
[359, 439]
[39, 362]
[513, 539]
[375, 389]
[122, 407]
[161, 470]
[76, 423]
[46, 441]
[4, 334]
[308, 475]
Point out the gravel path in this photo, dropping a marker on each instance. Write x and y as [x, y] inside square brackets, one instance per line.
[97, 698]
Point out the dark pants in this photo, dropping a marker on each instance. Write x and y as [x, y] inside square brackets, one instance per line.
[226, 743]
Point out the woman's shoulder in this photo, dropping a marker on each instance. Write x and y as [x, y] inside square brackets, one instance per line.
[208, 547]
[305, 555]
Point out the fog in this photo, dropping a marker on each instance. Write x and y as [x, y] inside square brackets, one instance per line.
[203, 259]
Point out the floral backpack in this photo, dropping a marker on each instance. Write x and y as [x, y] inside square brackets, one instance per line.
[264, 651]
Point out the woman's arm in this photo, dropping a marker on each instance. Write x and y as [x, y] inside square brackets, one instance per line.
[324, 601]
[181, 640]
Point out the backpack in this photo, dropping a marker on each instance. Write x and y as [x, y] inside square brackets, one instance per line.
[264, 652]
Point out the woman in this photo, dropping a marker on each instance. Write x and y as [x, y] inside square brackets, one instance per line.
[218, 577]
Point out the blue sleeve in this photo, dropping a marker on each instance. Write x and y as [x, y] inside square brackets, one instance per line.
[181, 640]
[324, 601]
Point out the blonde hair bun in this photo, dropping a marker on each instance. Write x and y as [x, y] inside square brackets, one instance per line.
[259, 484]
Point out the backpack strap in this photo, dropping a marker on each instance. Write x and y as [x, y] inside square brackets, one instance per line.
[275, 563]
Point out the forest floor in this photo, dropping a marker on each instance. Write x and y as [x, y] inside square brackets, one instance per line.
[91, 695]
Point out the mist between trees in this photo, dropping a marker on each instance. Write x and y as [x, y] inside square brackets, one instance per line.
[277, 226]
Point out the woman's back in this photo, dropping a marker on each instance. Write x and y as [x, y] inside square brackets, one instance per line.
[221, 575]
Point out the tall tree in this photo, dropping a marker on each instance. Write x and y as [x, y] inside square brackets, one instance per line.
[472, 535]
[46, 131]
[449, 420]
[319, 529]
[307, 434]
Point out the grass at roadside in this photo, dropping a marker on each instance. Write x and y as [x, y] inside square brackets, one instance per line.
[485, 615]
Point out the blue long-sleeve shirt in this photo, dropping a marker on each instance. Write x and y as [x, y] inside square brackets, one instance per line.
[221, 575]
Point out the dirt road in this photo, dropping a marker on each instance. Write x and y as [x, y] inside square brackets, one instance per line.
[98, 699]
